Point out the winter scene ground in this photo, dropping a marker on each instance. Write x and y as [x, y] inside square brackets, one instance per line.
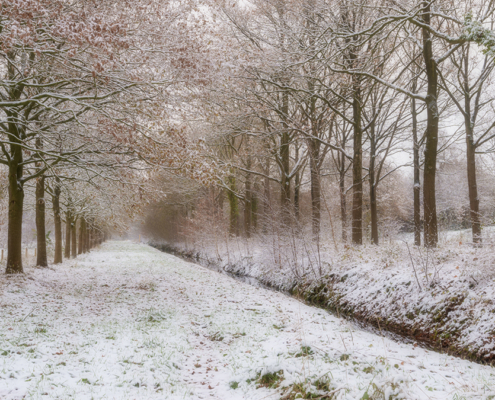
[130, 322]
[247, 199]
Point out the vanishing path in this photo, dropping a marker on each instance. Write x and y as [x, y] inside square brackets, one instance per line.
[129, 322]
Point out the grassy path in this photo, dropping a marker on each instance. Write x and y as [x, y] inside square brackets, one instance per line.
[129, 322]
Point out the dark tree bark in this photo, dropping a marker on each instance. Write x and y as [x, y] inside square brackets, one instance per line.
[82, 236]
[314, 171]
[469, 121]
[357, 166]
[73, 235]
[343, 201]
[373, 184]
[41, 257]
[16, 204]
[67, 234]
[417, 170]
[58, 224]
[297, 190]
[474, 202]
[431, 135]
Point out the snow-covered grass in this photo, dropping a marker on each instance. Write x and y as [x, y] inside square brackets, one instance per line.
[444, 297]
[129, 322]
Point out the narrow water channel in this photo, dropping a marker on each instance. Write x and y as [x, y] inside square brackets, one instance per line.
[250, 280]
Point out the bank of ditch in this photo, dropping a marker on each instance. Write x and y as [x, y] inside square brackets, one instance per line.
[446, 302]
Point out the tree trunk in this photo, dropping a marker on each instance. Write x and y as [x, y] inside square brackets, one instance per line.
[248, 198]
[82, 236]
[73, 235]
[373, 203]
[254, 210]
[285, 164]
[58, 224]
[297, 190]
[297, 197]
[16, 203]
[343, 198]
[87, 243]
[474, 202]
[67, 234]
[430, 166]
[234, 208]
[357, 167]
[469, 120]
[266, 198]
[417, 171]
[314, 159]
[41, 257]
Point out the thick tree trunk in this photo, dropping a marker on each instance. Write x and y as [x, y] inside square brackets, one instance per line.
[73, 235]
[41, 257]
[58, 224]
[67, 234]
[417, 172]
[473, 187]
[430, 165]
[357, 167]
[16, 204]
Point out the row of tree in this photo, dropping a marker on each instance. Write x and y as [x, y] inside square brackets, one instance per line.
[348, 89]
[87, 95]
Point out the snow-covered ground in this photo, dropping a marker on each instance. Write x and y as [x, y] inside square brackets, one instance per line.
[129, 322]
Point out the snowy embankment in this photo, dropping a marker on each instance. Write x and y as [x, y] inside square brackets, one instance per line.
[130, 322]
[444, 297]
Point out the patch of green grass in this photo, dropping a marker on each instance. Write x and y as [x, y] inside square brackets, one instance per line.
[270, 380]
[320, 389]
[369, 370]
[305, 351]
[234, 385]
